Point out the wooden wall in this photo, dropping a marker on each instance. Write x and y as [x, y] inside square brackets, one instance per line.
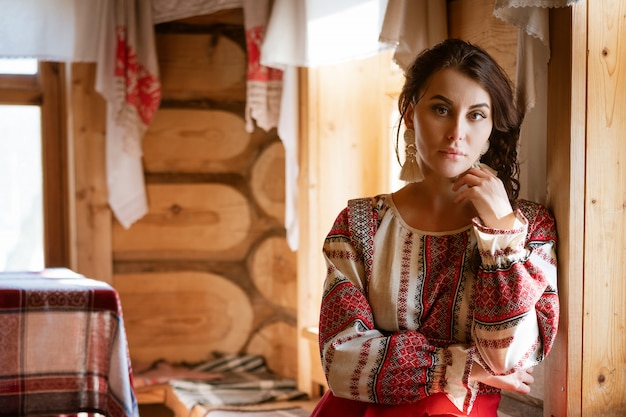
[604, 295]
[208, 268]
[586, 179]
[346, 151]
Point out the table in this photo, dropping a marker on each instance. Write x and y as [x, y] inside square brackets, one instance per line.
[63, 347]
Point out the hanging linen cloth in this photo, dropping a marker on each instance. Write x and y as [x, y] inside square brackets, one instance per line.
[307, 33]
[533, 54]
[117, 35]
[531, 17]
[413, 25]
[264, 83]
[128, 78]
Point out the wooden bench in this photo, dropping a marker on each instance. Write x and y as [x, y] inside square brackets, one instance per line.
[164, 394]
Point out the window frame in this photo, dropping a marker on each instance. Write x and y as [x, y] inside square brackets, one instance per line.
[46, 89]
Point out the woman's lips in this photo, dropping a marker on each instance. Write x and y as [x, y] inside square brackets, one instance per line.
[452, 153]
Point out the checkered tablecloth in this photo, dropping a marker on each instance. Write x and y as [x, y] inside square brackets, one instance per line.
[63, 347]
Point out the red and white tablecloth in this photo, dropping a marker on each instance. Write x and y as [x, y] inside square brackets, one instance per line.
[63, 346]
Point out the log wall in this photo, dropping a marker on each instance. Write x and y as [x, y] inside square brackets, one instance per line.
[208, 268]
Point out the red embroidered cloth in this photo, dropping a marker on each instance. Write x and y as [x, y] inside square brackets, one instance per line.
[63, 346]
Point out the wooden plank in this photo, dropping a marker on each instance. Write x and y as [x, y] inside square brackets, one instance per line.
[55, 165]
[151, 394]
[276, 342]
[17, 89]
[604, 338]
[308, 266]
[181, 410]
[92, 227]
[567, 74]
[318, 377]
[272, 267]
[18, 97]
[267, 181]
[185, 218]
[197, 66]
[183, 316]
[193, 140]
[24, 82]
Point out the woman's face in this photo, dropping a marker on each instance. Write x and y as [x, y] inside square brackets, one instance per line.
[452, 122]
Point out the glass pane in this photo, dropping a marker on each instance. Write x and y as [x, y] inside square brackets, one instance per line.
[21, 202]
[18, 66]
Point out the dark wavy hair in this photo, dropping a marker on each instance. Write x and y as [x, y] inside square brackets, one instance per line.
[478, 65]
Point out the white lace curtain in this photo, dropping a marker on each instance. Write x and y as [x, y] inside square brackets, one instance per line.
[533, 54]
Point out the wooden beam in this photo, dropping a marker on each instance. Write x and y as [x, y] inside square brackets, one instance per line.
[20, 89]
[566, 183]
[55, 165]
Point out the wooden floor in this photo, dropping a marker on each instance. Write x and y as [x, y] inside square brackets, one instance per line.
[509, 407]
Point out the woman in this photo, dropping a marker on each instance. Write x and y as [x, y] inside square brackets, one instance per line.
[443, 293]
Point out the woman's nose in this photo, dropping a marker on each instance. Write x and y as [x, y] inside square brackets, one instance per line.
[456, 129]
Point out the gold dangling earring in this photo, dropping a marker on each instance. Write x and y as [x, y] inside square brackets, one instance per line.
[411, 171]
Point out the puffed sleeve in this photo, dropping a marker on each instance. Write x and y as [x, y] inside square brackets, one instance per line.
[517, 307]
[365, 364]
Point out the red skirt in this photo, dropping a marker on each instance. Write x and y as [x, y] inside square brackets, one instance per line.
[436, 405]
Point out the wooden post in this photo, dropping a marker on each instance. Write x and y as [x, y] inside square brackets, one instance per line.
[566, 165]
[55, 164]
[92, 227]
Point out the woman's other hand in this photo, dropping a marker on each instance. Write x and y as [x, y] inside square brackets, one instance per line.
[518, 381]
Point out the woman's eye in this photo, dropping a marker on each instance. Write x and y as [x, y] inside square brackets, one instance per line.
[441, 110]
[477, 116]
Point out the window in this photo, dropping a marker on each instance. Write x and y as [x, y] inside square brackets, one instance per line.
[33, 197]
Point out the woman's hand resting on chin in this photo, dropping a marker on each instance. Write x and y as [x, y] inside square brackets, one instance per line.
[485, 190]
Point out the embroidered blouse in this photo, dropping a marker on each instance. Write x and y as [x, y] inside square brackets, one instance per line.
[407, 313]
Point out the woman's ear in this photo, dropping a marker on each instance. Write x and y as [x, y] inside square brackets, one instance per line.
[408, 116]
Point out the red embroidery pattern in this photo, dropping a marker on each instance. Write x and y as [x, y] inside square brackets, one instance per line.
[497, 343]
[506, 295]
[444, 256]
[256, 71]
[342, 254]
[67, 299]
[356, 376]
[142, 88]
[404, 283]
[404, 378]
[344, 305]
